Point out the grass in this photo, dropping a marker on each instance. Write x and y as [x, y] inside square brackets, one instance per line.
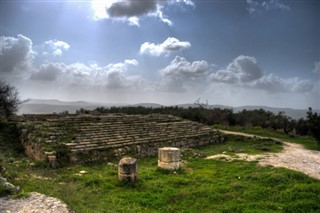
[235, 144]
[199, 186]
[202, 185]
[307, 141]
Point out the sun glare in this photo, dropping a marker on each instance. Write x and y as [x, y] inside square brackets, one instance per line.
[99, 8]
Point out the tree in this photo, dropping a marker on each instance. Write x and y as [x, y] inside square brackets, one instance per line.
[313, 120]
[9, 100]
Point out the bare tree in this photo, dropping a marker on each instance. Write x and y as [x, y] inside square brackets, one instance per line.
[9, 100]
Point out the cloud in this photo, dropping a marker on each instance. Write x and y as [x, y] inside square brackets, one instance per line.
[111, 76]
[130, 10]
[316, 67]
[15, 53]
[255, 6]
[169, 45]
[241, 69]
[49, 72]
[181, 68]
[244, 72]
[273, 83]
[131, 62]
[56, 47]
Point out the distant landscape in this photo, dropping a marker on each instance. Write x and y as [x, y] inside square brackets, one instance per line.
[46, 106]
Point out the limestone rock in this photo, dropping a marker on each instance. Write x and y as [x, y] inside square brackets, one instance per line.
[169, 158]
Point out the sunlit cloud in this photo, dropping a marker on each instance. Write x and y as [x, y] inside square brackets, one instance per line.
[131, 11]
[171, 44]
[56, 47]
[182, 68]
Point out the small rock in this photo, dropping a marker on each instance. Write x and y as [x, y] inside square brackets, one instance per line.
[83, 172]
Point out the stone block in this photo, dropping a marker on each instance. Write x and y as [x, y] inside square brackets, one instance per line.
[169, 158]
[127, 170]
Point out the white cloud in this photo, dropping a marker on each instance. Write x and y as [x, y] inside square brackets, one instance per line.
[169, 45]
[244, 72]
[131, 62]
[181, 68]
[258, 6]
[111, 76]
[15, 53]
[241, 69]
[56, 47]
[316, 67]
[130, 10]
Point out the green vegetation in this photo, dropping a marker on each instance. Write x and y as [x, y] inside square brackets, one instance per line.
[237, 144]
[10, 146]
[314, 124]
[9, 99]
[200, 185]
[307, 141]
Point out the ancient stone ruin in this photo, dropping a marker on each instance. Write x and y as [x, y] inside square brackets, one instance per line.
[81, 138]
[127, 170]
[169, 158]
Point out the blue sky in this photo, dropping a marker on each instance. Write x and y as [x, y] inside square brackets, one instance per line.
[234, 53]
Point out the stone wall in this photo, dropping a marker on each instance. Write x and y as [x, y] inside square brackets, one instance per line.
[78, 138]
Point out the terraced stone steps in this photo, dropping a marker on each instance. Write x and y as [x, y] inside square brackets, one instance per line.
[92, 137]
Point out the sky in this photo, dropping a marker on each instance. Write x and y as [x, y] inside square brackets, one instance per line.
[236, 53]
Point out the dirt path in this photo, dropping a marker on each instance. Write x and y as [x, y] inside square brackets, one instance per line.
[293, 156]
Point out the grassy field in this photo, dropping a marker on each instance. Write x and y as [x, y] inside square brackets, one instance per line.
[199, 186]
[307, 141]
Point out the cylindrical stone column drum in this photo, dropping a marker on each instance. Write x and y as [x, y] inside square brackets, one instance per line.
[169, 158]
[127, 170]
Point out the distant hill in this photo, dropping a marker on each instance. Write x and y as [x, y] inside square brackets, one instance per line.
[39, 106]
[58, 102]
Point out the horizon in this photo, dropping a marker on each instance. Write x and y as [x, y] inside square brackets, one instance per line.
[231, 53]
[109, 104]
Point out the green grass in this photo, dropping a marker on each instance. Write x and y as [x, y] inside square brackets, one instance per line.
[199, 186]
[235, 144]
[307, 141]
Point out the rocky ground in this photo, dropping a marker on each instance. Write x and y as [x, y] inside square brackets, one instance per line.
[35, 203]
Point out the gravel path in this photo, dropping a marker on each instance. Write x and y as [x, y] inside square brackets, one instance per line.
[35, 203]
[293, 156]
